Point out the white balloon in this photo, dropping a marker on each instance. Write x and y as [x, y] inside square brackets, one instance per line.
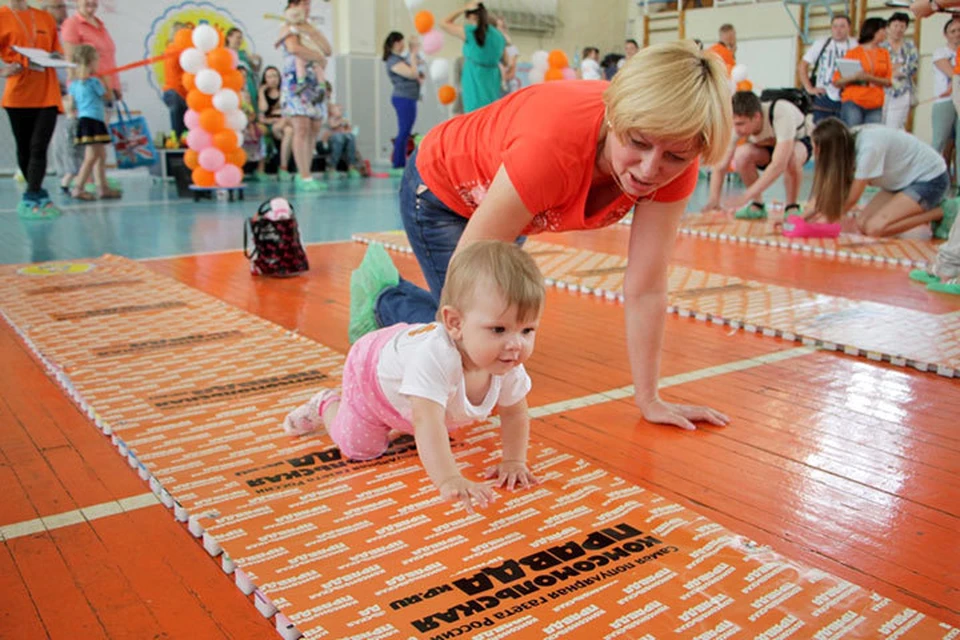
[205, 38]
[192, 60]
[440, 70]
[739, 73]
[237, 120]
[536, 75]
[414, 4]
[539, 59]
[208, 81]
[226, 100]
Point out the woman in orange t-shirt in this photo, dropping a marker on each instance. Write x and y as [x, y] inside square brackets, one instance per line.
[31, 98]
[563, 156]
[862, 95]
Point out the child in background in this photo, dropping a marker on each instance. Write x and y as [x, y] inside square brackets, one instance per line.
[429, 379]
[298, 21]
[87, 96]
[590, 67]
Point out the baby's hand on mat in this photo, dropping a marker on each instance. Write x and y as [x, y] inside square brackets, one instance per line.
[511, 474]
[469, 493]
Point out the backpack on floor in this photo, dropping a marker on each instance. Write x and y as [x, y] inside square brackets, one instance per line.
[277, 250]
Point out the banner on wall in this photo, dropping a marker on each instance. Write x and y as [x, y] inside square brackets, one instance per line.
[143, 30]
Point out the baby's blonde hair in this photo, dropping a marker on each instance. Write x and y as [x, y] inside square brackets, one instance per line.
[84, 56]
[503, 265]
[673, 91]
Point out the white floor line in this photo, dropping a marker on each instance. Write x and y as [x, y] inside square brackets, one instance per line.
[77, 516]
[106, 509]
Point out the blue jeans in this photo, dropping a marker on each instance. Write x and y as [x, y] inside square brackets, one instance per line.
[406, 115]
[433, 231]
[854, 115]
[824, 107]
[178, 107]
[343, 145]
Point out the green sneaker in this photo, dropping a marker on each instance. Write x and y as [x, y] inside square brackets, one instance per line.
[353, 173]
[752, 211]
[374, 274]
[941, 228]
[284, 176]
[311, 184]
[921, 275]
[36, 210]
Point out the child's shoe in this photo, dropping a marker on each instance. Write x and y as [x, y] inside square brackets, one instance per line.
[752, 211]
[308, 418]
[375, 273]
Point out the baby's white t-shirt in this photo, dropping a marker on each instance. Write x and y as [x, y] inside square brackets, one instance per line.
[422, 361]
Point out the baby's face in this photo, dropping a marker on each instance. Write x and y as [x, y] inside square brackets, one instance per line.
[494, 338]
[335, 111]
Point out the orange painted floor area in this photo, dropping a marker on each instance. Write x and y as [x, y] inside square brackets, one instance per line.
[846, 465]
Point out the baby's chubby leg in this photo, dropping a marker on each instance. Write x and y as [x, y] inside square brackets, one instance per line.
[311, 417]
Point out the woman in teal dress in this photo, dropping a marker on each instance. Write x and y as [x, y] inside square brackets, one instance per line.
[483, 49]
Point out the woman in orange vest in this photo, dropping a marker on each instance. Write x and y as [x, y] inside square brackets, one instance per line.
[863, 93]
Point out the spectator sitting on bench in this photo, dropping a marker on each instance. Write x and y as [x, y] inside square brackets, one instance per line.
[338, 134]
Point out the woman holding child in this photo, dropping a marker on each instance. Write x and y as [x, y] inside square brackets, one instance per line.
[560, 157]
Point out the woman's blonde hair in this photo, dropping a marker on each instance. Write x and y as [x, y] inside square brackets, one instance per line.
[505, 266]
[83, 57]
[835, 167]
[673, 91]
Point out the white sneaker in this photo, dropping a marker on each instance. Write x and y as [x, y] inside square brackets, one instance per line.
[306, 418]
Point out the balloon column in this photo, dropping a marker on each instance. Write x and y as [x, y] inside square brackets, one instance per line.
[214, 120]
[551, 66]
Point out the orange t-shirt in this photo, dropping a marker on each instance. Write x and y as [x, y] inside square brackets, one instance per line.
[172, 71]
[876, 62]
[725, 54]
[36, 29]
[546, 138]
[956, 67]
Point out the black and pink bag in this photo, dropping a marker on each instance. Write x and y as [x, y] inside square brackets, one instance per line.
[277, 250]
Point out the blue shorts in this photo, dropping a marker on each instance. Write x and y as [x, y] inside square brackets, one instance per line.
[929, 193]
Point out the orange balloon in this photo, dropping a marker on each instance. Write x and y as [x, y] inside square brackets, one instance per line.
[744, 85]
[233, 79]
[557, 60]
[423, 21]
[199, 101]
[212, 120]
[191, 159]
[220, 60]
[553, 74]
[225, 140]
[203, 178]
[183, 39]
[237, 157]
[188, 81]
[446, 94]
[221, 38]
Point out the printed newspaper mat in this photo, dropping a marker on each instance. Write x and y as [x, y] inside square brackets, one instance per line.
[906, 252]
[193, 392]
[929, 342]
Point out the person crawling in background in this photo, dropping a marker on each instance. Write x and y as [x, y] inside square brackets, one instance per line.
[431, 379]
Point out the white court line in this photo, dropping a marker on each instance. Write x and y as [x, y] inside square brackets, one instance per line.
[77, 516]
[124, 505]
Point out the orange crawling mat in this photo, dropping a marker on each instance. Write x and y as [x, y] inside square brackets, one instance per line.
[905, 337]
[192, 391]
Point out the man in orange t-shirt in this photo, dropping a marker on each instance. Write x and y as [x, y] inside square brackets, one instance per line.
[726, 48]
[31, 98]
[565, 156]
[174, 93]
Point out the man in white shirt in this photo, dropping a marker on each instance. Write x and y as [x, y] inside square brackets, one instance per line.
[630, 48]
[590, 67]
[818, 65]
[776, 141]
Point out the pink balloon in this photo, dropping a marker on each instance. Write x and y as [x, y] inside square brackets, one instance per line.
[191, 119]
[432, 41]
[211, 159]
[569, 74]
[198, 140]
[230, 175]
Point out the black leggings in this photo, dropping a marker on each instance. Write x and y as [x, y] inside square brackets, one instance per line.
[33, 129]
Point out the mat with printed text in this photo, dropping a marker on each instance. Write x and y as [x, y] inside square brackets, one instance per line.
[193, 391]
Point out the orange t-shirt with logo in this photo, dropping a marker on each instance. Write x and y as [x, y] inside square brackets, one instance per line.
[38, 30]
[725, 54]
[545, 136]
[875, 62]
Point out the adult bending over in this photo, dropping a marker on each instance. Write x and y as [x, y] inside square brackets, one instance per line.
[911, 175]
[563, 156]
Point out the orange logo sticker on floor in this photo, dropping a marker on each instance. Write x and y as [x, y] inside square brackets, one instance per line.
[194, 394]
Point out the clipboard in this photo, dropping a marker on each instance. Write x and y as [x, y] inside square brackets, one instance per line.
[43, 58]
[848, 68]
